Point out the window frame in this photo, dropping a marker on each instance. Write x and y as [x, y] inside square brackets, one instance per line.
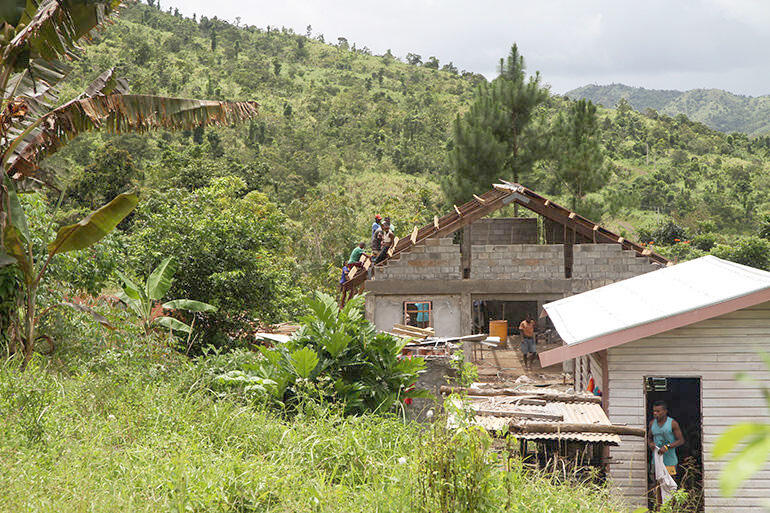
[414, 310]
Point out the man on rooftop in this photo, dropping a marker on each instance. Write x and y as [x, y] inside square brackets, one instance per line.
[355, 255]
[385, 236]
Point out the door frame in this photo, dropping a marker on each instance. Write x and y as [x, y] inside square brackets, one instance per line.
[646, 406]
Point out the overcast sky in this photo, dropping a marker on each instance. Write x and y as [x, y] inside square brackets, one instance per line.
[661, 44]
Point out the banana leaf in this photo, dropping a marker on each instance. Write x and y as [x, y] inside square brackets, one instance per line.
[94, 226]
[116, 113]
[161, 278]
[189, 305]
[173, 324]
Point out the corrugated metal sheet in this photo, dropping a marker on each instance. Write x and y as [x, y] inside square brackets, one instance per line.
[653, 296]
[573, 413]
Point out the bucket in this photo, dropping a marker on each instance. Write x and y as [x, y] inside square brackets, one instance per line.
[499, 329]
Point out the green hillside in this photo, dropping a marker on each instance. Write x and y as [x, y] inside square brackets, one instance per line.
[721, 110]
[343, 134]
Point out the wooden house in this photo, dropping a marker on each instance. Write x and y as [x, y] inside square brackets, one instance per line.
[684, 334]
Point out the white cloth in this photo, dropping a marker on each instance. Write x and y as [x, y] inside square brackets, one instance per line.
[664, 479]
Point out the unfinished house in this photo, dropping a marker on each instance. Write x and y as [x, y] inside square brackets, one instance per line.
[465, 269]
[683, 335]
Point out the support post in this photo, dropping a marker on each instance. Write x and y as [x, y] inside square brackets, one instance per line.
[466, 314]
[465, 253]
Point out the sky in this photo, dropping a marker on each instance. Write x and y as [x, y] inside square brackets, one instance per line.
[657, 44]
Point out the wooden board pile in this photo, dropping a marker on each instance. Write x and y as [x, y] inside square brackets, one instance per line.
[402, 330]
[528, 410]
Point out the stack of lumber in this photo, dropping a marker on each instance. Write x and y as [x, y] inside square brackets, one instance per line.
[285, 328]
[402, 330]
[541, 393]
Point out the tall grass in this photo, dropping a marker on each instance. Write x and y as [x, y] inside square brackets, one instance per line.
[133, 430]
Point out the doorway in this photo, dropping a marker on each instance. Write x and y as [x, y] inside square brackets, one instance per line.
[683, 397]
[493, 310]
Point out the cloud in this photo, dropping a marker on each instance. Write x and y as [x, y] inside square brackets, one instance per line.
[657, 43]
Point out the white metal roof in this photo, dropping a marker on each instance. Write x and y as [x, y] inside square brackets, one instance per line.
[653, 296]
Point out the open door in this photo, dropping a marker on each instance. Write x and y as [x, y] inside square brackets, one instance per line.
[683, 397]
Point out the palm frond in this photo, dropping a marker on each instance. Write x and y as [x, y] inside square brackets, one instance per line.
[116, 113]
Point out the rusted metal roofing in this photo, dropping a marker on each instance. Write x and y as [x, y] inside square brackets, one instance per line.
[571, 412]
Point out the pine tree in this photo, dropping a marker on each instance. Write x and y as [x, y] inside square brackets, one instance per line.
[495, 137]
[577, 153]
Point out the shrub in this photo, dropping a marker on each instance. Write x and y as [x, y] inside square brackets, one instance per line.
[751, 251]
[337, 357]
[231, 248]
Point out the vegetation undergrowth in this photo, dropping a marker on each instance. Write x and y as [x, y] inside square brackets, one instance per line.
[117, 422]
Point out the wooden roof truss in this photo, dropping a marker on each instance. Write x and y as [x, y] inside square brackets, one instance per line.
[480, 206]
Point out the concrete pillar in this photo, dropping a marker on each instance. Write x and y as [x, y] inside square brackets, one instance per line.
[466, 314]
[369, 307]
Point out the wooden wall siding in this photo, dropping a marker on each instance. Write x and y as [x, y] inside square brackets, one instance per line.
[585, 367]
[714, 350]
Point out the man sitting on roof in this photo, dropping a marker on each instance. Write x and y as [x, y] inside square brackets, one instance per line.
[386, 240]
[344, 277]
[376, 223]
[355, 255]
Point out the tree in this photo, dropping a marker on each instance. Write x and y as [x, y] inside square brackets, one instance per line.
[576, 151]
[413, 59]
[111, 173]
[431, 63]
[450, 67]
[495, 136]
[231, 247]
[39, 40]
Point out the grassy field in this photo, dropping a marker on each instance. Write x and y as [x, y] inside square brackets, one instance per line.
[115, 423]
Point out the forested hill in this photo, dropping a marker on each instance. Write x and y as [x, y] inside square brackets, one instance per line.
[721, 110]
[343, 134]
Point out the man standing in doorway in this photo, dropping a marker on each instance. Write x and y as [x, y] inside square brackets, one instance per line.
[527, 330]
[664, 435]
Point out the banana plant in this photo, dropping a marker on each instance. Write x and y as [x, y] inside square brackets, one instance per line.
[38, 41]
[144, 299]
[18, 249]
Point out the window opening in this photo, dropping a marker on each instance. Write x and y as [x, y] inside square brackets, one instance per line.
[418, 314]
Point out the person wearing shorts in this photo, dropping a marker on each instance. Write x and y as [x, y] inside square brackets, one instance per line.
[528, 348]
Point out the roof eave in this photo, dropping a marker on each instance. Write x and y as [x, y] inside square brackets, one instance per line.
[617, 338]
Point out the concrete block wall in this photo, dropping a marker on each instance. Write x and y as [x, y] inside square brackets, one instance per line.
[504, 230]
[607, 262]
[434, 259]
[517, 261]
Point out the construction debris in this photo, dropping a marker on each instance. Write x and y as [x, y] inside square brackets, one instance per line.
[280, 333]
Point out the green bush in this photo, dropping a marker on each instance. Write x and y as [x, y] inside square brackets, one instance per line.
[337, 356]
[231, 249]
[705, 241]
[751, 251]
